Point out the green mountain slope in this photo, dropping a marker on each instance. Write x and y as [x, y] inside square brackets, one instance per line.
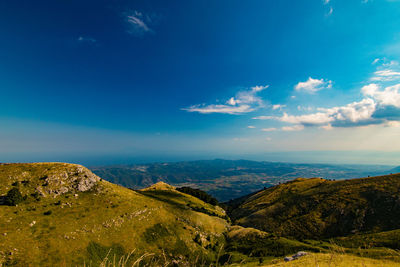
[317, 208]
[69, 216]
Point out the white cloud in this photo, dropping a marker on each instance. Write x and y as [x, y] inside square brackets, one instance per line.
[259, 88]
[208, 109]
[387, 70]
[326, 1]
[309, 119]
[385, 75]
[293, 128]
[138, 23]
[330, 12]
[268, 139]
[390, 63]
[268, 129]
[390, 96]
[264, 118]
[313, 85]
[251, 127]
[243, 102]
[278, 106]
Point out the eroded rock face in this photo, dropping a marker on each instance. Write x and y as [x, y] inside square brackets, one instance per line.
[74, 178]
[48, 179]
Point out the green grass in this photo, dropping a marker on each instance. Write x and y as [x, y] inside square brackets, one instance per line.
[77, 228]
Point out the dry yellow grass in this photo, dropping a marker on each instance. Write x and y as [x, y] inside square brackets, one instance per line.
[335, 260]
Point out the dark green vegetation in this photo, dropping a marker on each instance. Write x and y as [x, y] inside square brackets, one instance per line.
[13, 197]
[199, 194]
[229, 179]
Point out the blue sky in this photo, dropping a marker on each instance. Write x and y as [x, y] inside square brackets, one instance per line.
[119, 81]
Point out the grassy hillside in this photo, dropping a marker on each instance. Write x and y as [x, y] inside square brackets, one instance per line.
[317, 208]
[68, 216]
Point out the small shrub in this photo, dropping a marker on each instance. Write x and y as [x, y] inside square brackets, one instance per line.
[36, 196]
[13, 197]
[47, 212]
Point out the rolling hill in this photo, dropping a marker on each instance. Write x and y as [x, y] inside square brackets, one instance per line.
[318, 208]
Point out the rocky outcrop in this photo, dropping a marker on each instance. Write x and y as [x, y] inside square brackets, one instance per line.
[73, 178]
[47, 179]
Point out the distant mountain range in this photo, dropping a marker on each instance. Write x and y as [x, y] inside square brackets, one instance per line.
[230, 179]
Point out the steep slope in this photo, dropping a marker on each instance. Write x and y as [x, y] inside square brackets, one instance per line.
[68, 216]
[317, 208]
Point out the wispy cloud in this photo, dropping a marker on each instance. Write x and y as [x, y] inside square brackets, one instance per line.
[293, 128]
[251, 127]
[313, 85]
[330, 12]
[138, 23]
[278, 106]
[243, 102]
[386, 75]
[268, 129]
[386, 71]
[86, 39]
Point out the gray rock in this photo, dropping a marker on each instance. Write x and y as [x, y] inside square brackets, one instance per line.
[288, 259]
[295, 256]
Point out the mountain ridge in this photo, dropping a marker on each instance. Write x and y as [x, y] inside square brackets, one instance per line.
[315, 207]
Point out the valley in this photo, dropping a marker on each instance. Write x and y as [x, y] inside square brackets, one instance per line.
[230, 179]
